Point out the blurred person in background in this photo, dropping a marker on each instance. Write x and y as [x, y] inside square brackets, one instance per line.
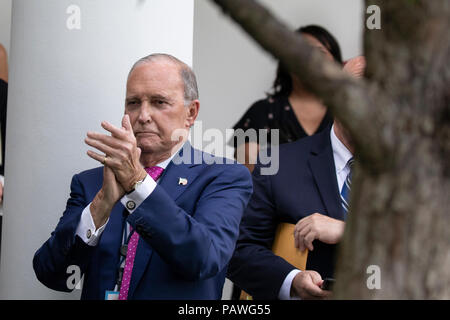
[290, 108]
[296, 113]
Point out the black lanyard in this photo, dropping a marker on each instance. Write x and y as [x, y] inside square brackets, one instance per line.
[123, 253]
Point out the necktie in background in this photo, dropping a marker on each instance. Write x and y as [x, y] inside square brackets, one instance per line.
[345, 192]
[155, 173]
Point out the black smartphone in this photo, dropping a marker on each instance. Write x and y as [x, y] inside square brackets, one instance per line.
[327, 284]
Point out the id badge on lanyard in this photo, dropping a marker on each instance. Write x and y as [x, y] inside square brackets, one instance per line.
[114, 294]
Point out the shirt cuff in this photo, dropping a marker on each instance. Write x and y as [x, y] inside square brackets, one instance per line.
[134, 199]
[86, 228]
[285, 291]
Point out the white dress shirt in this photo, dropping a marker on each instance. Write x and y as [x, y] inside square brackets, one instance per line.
[341, 156]
[86, 227]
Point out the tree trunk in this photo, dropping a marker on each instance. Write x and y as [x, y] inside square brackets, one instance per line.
[400, 214]
[399, 119]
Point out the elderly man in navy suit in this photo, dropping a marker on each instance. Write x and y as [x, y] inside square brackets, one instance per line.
[152, 222]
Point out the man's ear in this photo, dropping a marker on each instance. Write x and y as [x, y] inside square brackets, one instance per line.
[192, 112]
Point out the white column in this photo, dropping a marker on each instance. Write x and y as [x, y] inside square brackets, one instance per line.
[68, 66]
[5, 23]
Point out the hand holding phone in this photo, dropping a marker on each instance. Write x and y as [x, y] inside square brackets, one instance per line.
[327, 284]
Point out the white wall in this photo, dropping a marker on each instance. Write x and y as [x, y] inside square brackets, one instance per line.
[233, 72]
[5, 23]
[62, 84]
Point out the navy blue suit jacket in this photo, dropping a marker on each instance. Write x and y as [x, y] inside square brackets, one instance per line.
[306, 183]
[187, 234]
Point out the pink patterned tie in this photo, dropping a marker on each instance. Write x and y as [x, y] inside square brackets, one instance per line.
[155, 173]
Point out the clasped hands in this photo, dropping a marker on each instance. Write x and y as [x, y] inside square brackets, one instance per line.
[122, 167]
[307, 284]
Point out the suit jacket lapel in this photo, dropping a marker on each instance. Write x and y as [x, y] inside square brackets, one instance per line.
[321, 163]
[188, 157]
[169, 181]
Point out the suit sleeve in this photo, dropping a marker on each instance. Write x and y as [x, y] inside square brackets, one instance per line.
[200, 245]
[254, 267]
[64, 248]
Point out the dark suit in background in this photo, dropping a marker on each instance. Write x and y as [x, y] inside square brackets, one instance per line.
[306, 183]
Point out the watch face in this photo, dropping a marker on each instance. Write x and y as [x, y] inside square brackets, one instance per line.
[138, 184]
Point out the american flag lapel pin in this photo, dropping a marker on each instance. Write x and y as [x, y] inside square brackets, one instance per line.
[182, 181]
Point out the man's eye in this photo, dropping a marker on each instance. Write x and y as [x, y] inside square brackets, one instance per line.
[131, 103]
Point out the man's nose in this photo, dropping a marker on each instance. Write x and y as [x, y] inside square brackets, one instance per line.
[145, 113]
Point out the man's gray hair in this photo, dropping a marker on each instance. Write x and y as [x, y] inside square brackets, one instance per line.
[186, 72]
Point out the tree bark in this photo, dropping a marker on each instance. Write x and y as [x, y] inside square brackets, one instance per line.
[399, 121]
[399, 216]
